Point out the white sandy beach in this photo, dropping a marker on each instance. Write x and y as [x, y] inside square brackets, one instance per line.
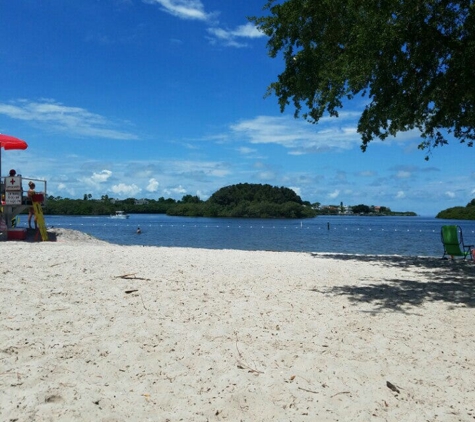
[97, 332]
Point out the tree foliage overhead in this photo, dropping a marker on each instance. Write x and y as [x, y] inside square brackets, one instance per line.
[413, 59]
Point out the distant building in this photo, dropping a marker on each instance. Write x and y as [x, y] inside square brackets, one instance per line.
[347, 210]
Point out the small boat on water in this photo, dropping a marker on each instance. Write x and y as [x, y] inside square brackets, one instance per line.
[120, 214]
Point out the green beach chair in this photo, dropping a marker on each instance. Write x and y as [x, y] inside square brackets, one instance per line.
[452, 239]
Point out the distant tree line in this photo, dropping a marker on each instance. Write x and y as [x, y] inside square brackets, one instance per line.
[459, 213]
[372, 210]
[56, 205]
[243, 200]
[248, 201]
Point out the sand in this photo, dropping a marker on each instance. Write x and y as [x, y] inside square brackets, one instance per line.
[97, 332]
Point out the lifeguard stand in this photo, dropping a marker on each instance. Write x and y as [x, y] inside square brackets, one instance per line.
[15, 201]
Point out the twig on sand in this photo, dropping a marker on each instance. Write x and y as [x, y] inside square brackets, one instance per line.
[132, 276]
[141, 298]
[341, 392]
[307, 390]
[242, 365]
[143, 303]
[58, 263]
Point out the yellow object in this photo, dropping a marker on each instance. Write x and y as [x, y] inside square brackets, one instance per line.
[40, 220]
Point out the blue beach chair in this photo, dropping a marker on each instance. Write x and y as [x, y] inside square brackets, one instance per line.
[452, 239]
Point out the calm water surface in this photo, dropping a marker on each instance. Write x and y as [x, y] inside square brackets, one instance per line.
[409, 236]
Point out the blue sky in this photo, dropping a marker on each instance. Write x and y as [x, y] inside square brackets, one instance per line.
[152, 98]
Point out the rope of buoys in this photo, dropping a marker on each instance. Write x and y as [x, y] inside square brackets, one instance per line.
[227, 226]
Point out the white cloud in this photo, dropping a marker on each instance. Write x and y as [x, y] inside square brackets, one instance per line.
[298, 135]
[96, 180]
[334, 194]
[246, 150]
[179, 190]
[203, 196]
[400, 195]
[219, 172]
[403, 174]
[75, 121]
[267, 175]
[298, 191]
[248, 31]
[296, 153]
[63, 188]
[195, 10]
[126, 190]
[231, 37]
[183, 9]
[101, 177]
[152, 185]
[208, 168]
[367, 173]
[450, 194]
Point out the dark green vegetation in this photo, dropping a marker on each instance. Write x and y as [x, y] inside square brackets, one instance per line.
[413, 60]
[249, 201]
[105, 206]
[242, 200]
[459, 213]
[380, 211]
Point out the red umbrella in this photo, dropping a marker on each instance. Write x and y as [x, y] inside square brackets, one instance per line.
[10, 142]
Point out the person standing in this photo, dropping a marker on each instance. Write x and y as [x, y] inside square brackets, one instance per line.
[31, 214]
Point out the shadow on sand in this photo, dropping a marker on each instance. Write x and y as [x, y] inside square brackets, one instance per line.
[438, 280]
[33, 235]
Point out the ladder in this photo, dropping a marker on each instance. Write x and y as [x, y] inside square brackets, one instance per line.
[40, 220]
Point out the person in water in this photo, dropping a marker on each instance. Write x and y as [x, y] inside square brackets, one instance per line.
[138, 230]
